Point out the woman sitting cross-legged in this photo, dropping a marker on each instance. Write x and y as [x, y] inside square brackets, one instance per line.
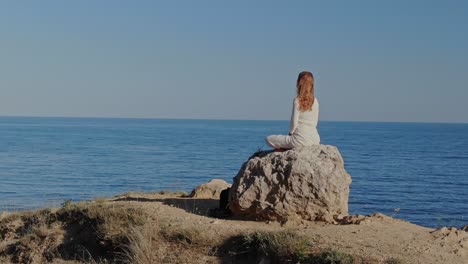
[303, 128]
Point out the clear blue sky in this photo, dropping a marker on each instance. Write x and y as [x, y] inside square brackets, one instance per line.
[373, 60]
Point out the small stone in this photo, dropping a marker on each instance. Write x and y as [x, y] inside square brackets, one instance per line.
[210, 190]
[339, 217]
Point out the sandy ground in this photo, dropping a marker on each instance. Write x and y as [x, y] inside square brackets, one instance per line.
[376, 237]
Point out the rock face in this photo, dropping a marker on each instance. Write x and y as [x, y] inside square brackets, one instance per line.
[210, 190]
[310, 183]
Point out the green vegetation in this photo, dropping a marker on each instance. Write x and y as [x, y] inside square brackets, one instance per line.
[394, 261]
[282, 246]
[332, 256]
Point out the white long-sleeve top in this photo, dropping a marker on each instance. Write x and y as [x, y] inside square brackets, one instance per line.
[303, 126]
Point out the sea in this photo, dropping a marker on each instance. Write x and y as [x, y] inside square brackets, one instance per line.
[413, 171]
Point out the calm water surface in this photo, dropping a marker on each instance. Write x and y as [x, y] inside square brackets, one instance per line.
[414, 171]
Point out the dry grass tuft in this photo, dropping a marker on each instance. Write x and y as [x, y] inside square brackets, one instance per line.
[394, 261]
[188, 235]
[168, 244]
[273, 247]
[113, 219]
[87, 232]
[277, 244]
[6, 217]
[141, 247]
[98, 231]
[332, 256]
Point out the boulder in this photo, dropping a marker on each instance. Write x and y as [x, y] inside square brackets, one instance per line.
[307, 183]
[210, 190]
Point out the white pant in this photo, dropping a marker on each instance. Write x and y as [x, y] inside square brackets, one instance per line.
[280, 141]
[303, 136]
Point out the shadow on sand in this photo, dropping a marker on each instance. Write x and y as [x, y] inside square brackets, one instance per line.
[196, 206]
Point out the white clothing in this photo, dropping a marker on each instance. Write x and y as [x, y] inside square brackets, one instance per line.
[302, 130]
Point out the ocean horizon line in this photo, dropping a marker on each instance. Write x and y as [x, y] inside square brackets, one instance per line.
[225, 119]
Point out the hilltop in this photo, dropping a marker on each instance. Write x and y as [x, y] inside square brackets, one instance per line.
[172, 228]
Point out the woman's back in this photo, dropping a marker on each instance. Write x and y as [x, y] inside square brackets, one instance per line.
[309, 117]
[304, 125]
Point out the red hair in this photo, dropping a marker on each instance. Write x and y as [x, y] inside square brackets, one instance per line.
[305, 91]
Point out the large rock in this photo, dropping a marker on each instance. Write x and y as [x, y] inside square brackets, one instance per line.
[309, 182]
[210, 190]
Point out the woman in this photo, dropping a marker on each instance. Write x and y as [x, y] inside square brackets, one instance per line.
[303, 128]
